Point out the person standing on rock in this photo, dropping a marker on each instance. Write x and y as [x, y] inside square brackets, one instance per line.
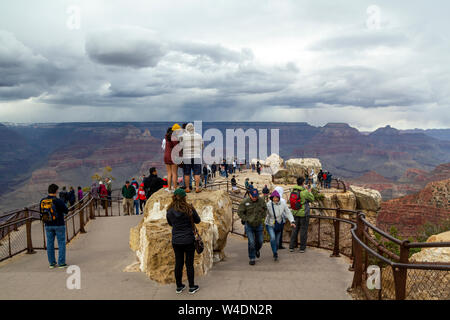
[171, 167]
[234, 184]
[299, 200]
[277, 214]
[181, 216]
[253, 211]
[192, 146]
[54, 209]
[213, 170]
[128, 193]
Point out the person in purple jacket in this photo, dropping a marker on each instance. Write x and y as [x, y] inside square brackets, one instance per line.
[80, 194]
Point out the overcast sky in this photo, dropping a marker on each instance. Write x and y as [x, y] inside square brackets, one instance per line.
[367, 63]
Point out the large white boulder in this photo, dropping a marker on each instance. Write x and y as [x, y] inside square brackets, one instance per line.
[151, 239]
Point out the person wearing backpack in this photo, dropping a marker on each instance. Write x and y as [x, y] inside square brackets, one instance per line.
[299, 201]
[277, 213]
[52, 211]
[181, 216]
[253, 211]
[266, 192]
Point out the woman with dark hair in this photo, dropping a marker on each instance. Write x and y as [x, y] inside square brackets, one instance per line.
[181, 216]
[171, 167]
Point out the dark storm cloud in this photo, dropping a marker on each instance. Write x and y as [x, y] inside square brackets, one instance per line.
[120, 48]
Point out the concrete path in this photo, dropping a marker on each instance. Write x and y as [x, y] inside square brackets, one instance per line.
[103, 253]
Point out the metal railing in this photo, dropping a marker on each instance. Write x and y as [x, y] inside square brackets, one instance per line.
[345, 232]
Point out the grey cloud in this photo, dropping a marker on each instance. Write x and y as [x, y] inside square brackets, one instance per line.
[215, 52]
[124, 48]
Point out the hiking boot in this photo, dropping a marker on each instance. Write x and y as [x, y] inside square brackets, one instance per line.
[252, 262]
[62, 266]
[194, 289]
[180, 289]
[187, 190]
[258, 254]
[52, 266]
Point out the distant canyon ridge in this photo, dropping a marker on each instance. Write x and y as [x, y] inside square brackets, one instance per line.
[395, 162]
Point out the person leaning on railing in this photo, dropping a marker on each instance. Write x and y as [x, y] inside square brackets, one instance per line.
[55, 228]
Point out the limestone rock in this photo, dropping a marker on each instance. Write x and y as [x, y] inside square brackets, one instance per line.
[366, 199]
[299, 167]
[343, 200]
[434, 254]
[151, 239]
[275, 162]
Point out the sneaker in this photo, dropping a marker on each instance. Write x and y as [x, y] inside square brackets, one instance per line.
[281, 248]
[275, 258]
[194, 289]
[302, 251]
[62, 266]
[52, 266]
[180, 289]
[291, 250]
[252, 262]
[258, 254]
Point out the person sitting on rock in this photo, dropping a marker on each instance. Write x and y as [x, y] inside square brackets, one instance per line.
[278, 212]
[234, 184]
[253, 211]
[181, 216]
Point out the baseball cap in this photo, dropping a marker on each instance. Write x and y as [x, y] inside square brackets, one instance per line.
[254, 193]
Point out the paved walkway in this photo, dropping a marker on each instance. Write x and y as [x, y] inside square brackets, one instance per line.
[103, 253]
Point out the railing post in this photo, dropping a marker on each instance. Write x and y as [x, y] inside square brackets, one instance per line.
[337, 228]
[91, 209]
[357, 275]
[401, 273]
[106, 206]
[28, 228]
[81, 213]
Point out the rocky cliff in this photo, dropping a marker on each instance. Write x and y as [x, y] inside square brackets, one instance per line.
[409, 213]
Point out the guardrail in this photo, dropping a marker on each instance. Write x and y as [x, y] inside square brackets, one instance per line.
[344, 232]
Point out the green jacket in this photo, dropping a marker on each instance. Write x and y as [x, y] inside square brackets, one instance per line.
[254, 213]
[305, 195]
[129, 192]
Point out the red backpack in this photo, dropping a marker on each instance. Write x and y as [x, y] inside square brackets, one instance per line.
[295, 200]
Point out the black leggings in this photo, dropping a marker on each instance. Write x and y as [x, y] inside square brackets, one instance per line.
[142, 203]
[180, 250]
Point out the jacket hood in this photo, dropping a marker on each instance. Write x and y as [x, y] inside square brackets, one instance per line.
[280, 191]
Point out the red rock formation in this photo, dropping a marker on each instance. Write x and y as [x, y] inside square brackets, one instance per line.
[409, 213]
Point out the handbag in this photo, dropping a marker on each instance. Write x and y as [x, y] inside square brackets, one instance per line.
[278, 227]
[198, 242]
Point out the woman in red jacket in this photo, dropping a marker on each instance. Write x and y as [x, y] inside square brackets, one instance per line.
[141, 197]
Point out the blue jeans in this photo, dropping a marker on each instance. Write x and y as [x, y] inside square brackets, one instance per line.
[60, 233]
[136, 206]
[274, 239]
[255, 239]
